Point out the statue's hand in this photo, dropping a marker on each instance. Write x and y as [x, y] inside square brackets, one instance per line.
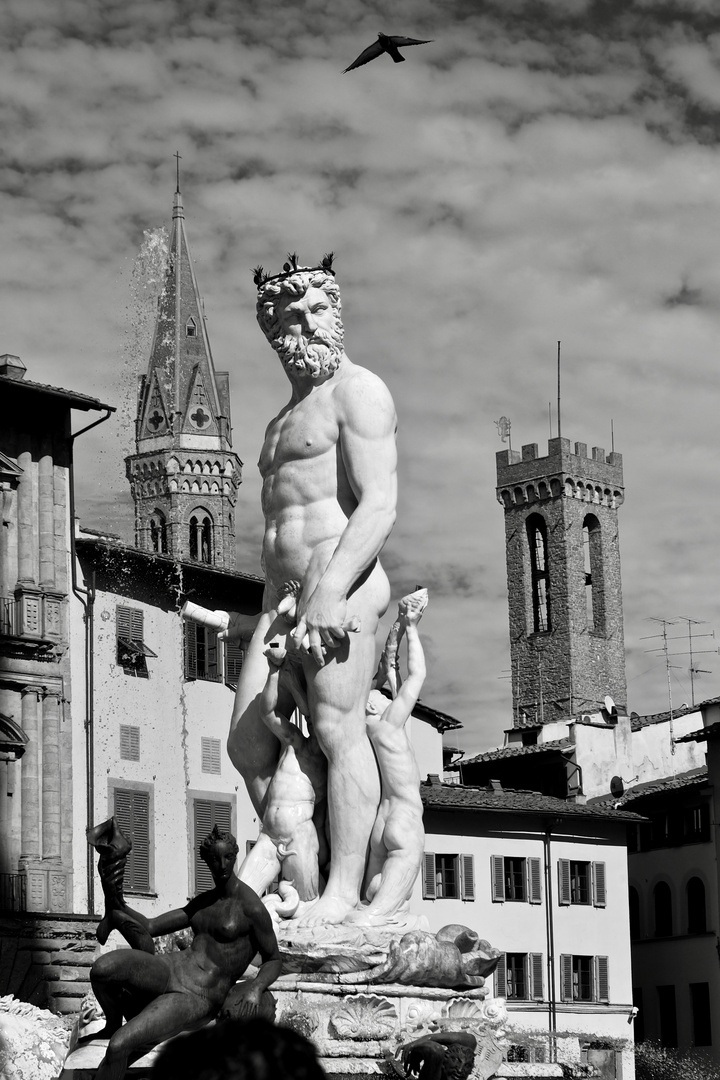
[246, 999]
[322, 622]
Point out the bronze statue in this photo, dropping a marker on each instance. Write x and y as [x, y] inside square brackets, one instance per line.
[162, 995]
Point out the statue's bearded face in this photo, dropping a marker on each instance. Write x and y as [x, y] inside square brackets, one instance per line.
[301, 319]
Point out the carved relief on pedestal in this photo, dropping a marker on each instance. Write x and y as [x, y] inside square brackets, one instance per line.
[364, 1017]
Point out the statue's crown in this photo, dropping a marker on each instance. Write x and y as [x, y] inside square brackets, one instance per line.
[293, 267]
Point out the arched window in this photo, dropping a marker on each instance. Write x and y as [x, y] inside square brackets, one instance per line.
[696, 917]
[158, 532]
[539, 577]
[593, 573]
[191, 328]
[201, 536]
[634, 906]
[663, 910]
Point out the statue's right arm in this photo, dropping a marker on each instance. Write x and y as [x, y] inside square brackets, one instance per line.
[271, 718]
[399, 710]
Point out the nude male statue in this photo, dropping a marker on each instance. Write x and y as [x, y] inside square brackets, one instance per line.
[328, 466]
[292, 838]
[398, 838]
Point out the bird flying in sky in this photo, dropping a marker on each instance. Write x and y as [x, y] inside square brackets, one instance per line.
[385, 44]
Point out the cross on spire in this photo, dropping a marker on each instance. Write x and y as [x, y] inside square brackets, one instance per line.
[177, 156]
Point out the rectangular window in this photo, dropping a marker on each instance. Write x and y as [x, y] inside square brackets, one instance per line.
[448, 877]
[210, 756]
[584, 978]
[131, 650]
[129, 742]
[206, 814]
[514, 878]
[519, 977]
[132, 810]
[581, 882]
[668, 1016]
[233, 657]
[201, 652]
[700, 1003]
[696, 824]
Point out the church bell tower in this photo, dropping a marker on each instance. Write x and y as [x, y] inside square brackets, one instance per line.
[184, 475]
[564, 589]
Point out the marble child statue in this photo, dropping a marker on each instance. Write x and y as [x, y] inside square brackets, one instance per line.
[397, 839]
[328, 466]
[162, 995]
[292, 840]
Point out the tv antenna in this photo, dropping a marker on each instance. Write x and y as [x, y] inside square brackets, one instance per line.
[664, 649]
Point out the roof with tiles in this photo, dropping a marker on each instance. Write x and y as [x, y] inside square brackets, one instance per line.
[662, 786]
[712, 731]
[439, 796]
[638, 722]
[558, 745]
[80, 401]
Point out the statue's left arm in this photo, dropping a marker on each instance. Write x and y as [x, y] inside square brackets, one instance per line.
[250, 993]
[367, 427]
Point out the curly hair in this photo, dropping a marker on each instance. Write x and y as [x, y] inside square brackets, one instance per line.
[217, 836]
[253, 1049]
[295, 285]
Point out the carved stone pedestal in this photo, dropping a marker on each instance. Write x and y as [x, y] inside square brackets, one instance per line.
[358, 1029]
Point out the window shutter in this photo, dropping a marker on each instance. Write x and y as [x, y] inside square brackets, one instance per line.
[602, 983]
[534, 882]
[129, 623]
[535, 966]
[599, 891]
[566, 988]
[212, 653]
[132, 810]
[210, 756]
[564, 882]
[500, 977]
[467, 877]
[233, 662]
[190, 642]
[207, 814]
[429, 885]
[129, 742]
[497, 878]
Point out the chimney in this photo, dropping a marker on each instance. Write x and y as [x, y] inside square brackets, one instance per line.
[12, 367]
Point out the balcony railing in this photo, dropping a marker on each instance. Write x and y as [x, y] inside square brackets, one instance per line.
[13, 892]
[33, 615]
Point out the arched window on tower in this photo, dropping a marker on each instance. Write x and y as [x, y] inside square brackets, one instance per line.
[201, 536]
[696, 917]
[539, 576]
[158, 532]
[593, 573]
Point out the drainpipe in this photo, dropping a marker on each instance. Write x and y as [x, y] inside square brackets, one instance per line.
[87, 599]
[550, 932]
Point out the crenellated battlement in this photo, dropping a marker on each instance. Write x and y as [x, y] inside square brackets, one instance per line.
[523, 477]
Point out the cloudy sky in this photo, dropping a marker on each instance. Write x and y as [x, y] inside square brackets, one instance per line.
[542, 171]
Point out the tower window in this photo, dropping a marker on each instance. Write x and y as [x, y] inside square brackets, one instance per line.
[593, 573]
[201, 537]
[191, 328]
[539, 577]
[158, 532]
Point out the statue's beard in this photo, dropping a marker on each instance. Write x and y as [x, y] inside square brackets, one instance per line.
[316, 356]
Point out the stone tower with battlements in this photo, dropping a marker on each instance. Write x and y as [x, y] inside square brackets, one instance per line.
[184, 475]
[563, 567]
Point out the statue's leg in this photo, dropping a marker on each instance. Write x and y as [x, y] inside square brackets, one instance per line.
[404, 841]
[166, 1016]
[261, 865]
[300, 865]
[338, 695]
[253, 749]
[120, 977]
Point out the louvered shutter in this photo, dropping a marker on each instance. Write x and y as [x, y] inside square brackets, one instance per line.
[535, 972]
[564, 895]
[207, 814]
[602, 983]
[210, 755]
[467, 877]
[190, 644]
[566, 988]
[211, 646]
[497, 878]
[599, 890]
[429, 885]
[129, 742]
[233, 662]
[129, 623]
[534, 881]
[500, 977]
[132, 810]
